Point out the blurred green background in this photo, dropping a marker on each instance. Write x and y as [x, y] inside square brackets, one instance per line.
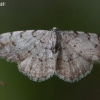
[81, 15]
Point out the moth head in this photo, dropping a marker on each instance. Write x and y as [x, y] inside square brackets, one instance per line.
[55, 29]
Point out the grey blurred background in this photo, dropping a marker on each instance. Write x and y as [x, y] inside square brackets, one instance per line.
[81, 15]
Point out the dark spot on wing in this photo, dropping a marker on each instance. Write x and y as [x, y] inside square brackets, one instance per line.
[40, 60]
[41, 41]
[98, 37]
[46, 48]
[51, 58]
[21, 34]
[68, 41]
[80, 51]
[69, 60]
[34, 36]
[76, 33]
[34, 46]
[33, 33]
[13, 43]
[2, 45]
[58, 59]
[29, 51]
[96, 45]
[88, 35]
[74, 45]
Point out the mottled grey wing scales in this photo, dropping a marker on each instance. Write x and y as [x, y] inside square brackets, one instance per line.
[87, 45]
[31, 50]
[40, 54]
[71, 66]
[42, 61]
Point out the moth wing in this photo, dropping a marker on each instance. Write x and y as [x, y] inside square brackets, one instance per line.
[87, 45]
[71, 66]
[32, 50]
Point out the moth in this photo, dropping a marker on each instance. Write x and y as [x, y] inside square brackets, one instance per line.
[40, 54]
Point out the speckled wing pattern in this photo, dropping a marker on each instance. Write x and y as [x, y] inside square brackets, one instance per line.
[41, 54]
[76, 56]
